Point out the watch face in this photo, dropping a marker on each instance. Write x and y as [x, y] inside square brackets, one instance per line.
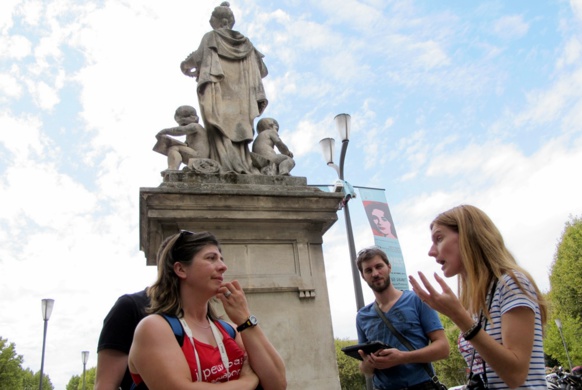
[253, 320]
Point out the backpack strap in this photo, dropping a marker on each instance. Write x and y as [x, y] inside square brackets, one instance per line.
[179, 331]
[176, 328]
[228, 327]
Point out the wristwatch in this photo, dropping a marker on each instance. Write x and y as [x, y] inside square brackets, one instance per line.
[249, 323]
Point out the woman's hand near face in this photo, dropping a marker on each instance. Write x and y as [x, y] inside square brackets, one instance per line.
[263, 357]
[234, 301]
[445, 302]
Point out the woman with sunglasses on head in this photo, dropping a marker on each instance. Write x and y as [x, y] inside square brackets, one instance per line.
[190, 273]
[499, 310]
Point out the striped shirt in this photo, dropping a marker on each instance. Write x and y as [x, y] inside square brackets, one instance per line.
[508, 296]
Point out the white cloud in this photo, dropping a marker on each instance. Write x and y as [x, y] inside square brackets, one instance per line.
[549, 104]
[31, 11]
[43, 94]
[430, 54]
[15, 47]
[577, 8]
[571, 54]
[510, 27]
[6, 12]
[305, 138]
[9, 86]
[38, 193]
[21, 137]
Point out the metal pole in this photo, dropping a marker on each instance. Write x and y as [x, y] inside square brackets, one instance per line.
[84, 376]
[355, 271]
[565, 347]
[42, 357]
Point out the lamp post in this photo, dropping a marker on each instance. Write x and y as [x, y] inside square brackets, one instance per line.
[342, 122]
[47, 309]
[559, 325]
[84, 358]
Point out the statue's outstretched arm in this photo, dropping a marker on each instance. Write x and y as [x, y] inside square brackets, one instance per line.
[188, 66]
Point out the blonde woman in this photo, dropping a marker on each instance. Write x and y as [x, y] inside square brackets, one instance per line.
[499, 309]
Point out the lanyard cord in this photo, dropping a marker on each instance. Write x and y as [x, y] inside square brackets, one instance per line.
[490, 302]
[219, 343]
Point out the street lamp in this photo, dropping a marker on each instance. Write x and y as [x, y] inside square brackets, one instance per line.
[47, 309]
[559, 325]
[84, 358]
[342, 122]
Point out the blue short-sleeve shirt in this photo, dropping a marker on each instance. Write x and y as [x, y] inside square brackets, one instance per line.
[414, 320]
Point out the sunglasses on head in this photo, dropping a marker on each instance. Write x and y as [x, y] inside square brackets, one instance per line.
[180, 240]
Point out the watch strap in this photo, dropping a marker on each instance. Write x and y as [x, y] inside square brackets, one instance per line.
[249, 323]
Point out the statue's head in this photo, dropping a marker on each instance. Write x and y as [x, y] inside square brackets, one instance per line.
[186, 112]
[222, 16]
[267, 123]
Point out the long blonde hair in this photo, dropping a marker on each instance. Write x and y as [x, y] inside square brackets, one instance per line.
[484, 257]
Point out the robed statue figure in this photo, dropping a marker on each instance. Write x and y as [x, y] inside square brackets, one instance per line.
[229, 72]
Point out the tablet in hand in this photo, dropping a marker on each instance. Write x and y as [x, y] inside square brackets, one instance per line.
[368, 348]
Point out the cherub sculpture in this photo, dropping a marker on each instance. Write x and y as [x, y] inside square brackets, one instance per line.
[264, 156]
[196, 145]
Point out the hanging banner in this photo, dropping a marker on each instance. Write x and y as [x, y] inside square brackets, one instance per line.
[385, 236]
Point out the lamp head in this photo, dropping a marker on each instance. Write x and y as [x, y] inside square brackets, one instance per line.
[342, 122]
[47, 308]
[85, 356]
[327, 147]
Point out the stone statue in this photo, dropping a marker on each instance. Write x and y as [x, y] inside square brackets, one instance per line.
[229, 72]
[271, 163]
[196, 145]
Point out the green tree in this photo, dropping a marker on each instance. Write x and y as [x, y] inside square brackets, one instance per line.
[349, 372]
[566, 272]
[31, 380]
[76, 381]
[453, 370]
[566, 297]
[10, 366]
[13, 376]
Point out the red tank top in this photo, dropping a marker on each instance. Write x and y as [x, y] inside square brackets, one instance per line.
[213, 369]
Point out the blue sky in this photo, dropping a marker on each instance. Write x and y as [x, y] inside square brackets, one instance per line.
[451, 102]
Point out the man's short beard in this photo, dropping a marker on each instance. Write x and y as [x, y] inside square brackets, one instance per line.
[381, 288]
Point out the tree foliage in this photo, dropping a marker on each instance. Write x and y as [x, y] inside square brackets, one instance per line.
[453, 370]
[566, 297]
[566, 273]
[10, 366]
[13, 376]
[30, 381]
[76, 381]
[349, 372]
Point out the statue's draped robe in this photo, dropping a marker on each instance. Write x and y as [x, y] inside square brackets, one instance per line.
[231, 95]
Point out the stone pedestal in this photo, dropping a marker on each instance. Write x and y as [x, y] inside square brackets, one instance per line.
[271, 229]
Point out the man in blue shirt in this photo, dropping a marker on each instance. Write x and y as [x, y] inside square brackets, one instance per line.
[398, 367]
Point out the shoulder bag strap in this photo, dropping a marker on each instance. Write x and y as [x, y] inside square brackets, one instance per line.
[405, 342]
[484, 325]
